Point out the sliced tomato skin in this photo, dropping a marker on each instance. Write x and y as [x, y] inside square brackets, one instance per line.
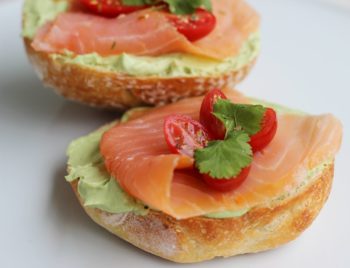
[194, 26]
[109, 8]
[184, 135]
[268, 131]
[226, 185]
[214, 126]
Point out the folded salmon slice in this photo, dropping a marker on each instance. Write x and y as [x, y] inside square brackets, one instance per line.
[136, 154]
[147, 32]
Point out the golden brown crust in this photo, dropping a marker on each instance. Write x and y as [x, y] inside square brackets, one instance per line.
[198, 239]
[114, 90]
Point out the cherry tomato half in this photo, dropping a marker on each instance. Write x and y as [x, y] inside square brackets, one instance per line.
[225, 185]
[213, 125]
[194, 26]
[109, 8]
[268, 130]
[183, 134]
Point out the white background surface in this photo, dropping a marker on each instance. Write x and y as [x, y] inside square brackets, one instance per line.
[304, 64]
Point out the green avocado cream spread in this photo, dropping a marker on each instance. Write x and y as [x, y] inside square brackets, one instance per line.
[99, 190]
[96, 187]
[37, 12]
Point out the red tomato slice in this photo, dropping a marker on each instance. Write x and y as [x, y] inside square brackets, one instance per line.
[268, 130]
[225, 185]
[194, 26]
[213, 125]
[184, 135]
[109, 8]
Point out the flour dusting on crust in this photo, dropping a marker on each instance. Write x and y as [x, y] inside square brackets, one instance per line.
[155, 235]
[113, 219]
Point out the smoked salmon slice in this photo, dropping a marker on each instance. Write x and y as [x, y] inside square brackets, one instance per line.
[147, 32]
[137, 155]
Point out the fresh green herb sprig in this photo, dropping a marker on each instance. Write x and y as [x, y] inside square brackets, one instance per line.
[179, 7]
[225, 159]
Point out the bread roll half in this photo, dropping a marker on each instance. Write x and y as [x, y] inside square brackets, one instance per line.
[201, 238]
[119, 91]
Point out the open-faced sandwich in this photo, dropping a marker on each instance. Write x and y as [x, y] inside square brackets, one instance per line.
[122, 53]
[206, 177]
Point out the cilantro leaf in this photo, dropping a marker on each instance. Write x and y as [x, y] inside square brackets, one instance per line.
[224, 159]
[136, 2]
[180, 7]
[239, 116]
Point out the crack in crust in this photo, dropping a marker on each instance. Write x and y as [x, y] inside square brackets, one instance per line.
[198, 239]
[118, 91]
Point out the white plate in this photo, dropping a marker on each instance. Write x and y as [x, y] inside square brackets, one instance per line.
[304, 64]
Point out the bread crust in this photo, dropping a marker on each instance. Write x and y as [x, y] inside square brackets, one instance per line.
[119, 91]
[200, 238]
